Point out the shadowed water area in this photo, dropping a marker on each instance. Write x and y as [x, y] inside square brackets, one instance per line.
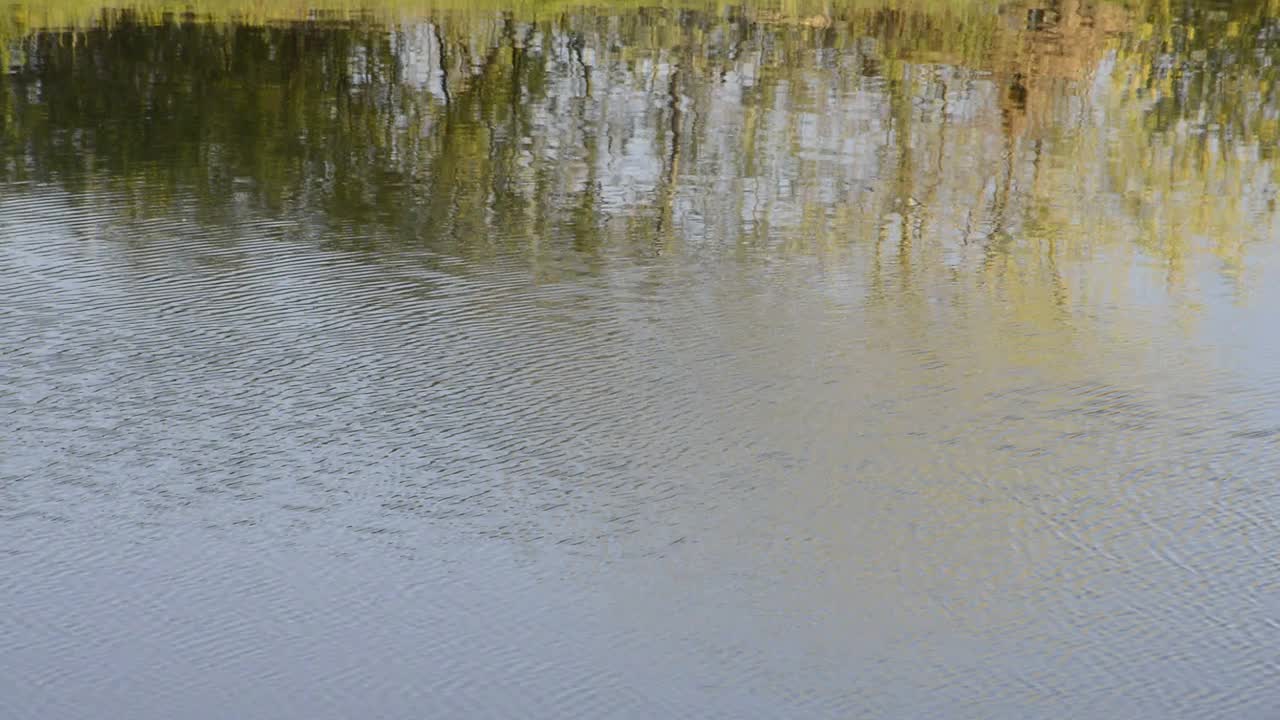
[906, 360]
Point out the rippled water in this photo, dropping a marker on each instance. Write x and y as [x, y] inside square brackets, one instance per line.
[891, 361]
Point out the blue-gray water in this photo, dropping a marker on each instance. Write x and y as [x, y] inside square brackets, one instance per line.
[642, 363]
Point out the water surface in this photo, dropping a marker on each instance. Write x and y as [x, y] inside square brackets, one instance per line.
[871, 361]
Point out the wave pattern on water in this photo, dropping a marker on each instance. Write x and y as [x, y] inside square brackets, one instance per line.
[636, 364]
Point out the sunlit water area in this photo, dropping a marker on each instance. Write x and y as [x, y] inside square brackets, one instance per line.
[898, 359]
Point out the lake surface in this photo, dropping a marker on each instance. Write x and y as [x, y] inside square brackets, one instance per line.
[903, 360]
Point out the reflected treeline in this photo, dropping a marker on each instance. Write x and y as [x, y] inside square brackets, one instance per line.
[1007, 138]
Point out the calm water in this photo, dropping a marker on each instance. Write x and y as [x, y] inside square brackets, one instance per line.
[901, 361]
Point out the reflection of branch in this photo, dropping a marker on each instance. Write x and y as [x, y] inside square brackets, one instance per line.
[517, 58]
[673, 102]
[575, 44]
[444, 66]
[673, 158]
[1000, 203]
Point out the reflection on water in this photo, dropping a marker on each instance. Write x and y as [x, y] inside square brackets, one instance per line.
[846, 361]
